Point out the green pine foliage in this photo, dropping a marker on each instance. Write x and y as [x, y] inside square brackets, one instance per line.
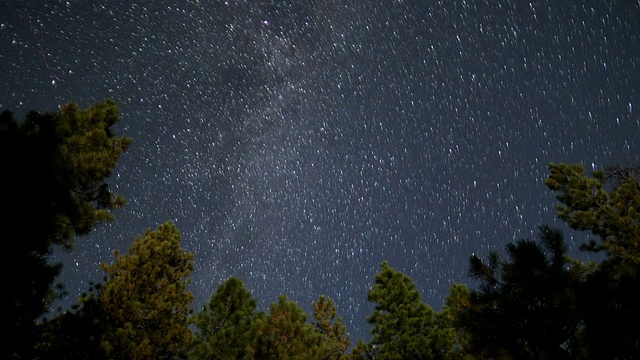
[227, 324]
[145, 301]
[284, 333]
[53, 188]
[606, 204]
[402, 326]
[335, 339]
[613, 216]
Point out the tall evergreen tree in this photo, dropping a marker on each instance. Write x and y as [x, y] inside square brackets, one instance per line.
[284, 333]
[403, 327]
[607, 204]
[612, 215]
[52, 189]
[527, 307]
[227, 325]
[145, 302]
[453, 337]
[335, 340]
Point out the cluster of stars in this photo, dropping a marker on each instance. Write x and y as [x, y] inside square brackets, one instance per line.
[299, 144]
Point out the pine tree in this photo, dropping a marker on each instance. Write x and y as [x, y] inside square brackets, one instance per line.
[527, 307]
[285, 334]
[76, 333]
[334, 334]
[145, 301]
[403, 327]
[606, 204]
[227, 325]
[452, 335]
[53, 189]
[613, 216]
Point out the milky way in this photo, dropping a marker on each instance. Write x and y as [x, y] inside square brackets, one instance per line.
[297, 144]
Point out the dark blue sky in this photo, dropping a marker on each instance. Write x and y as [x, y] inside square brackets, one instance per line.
[297, 144]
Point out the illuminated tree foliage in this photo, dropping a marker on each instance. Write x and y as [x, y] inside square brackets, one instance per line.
[52, 189]
[335, 340]
[403, 327]
[613, 216]
[227, 325]
[606, 204]
[284, 333]
[145, 302]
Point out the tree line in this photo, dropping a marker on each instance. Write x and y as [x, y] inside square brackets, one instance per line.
[531, 301]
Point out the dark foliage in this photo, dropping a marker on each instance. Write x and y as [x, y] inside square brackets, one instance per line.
[526, 307]
[52, 189]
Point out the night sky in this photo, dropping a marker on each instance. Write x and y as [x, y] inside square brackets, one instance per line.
[298, 144]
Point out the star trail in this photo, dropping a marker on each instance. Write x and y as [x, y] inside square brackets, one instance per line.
[298, 144]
